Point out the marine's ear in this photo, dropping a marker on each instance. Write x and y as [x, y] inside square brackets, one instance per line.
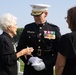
[46, 13]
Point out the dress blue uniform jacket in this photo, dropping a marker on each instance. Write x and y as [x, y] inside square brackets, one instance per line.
[44, 39]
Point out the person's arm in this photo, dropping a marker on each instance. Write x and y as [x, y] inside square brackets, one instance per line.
[25, 51]
[60, 63]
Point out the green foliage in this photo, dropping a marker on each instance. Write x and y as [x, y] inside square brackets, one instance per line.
[19, 31]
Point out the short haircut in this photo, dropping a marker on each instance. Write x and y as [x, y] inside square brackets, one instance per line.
[7, 20]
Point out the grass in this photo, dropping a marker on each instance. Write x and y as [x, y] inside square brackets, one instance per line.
[21, 65]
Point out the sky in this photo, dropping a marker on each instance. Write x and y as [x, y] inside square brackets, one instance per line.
[22, 10]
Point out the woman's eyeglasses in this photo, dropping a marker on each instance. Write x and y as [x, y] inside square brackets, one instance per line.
[65, 18]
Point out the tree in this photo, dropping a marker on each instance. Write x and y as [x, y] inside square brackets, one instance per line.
[16, 37]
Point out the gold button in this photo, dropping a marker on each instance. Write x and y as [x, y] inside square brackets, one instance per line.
[52, 54]
[38, 46]
[39, 33]
[29, 37]
[39, 40]
[40, 27]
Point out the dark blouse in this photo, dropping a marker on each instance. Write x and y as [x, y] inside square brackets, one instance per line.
[68, 49]
[8, 59]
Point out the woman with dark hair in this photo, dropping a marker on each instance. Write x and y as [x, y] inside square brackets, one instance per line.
[66, 59]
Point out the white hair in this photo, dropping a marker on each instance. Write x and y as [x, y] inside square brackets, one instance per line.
[7, 20]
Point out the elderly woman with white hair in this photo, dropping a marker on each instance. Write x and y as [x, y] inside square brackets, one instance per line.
[8, 57]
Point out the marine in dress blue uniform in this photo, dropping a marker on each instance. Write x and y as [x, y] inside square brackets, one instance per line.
[44, 39]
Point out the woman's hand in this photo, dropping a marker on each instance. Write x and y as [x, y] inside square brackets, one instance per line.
[29, 50]
[25, 51]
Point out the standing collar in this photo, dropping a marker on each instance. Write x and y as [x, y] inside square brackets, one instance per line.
[40, 25]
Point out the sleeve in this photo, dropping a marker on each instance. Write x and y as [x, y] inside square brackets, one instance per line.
[66, 47]
[7, 54]
[56, 41]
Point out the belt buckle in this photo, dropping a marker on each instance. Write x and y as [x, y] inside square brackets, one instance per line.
[39, 52]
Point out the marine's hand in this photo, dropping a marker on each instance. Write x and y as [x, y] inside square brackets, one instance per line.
[37, 63]
[39, 66]
[34, 60]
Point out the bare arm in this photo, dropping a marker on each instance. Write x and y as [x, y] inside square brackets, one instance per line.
[25, 51]
[60, 63]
